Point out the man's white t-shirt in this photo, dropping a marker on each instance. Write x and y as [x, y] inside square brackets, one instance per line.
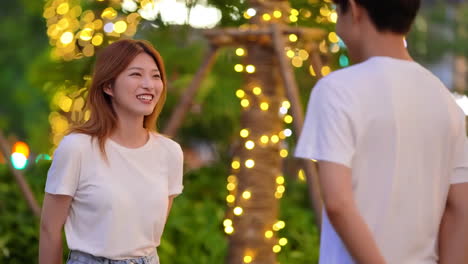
[403, 136]
[119, 207]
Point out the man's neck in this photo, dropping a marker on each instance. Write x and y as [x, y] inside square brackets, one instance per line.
[384, 45]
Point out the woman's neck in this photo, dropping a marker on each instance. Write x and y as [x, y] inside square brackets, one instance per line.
[130, 132]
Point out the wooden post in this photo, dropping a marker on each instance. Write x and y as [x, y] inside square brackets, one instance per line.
[20, 179]
[292, 93]
[186, 101]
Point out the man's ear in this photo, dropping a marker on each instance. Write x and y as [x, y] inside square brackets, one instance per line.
[356, 11]
[108, 89]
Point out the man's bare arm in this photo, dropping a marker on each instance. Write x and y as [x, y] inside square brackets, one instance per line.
[336, 184]
[453, 235]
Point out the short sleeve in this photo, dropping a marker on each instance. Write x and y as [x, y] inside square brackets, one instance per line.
[460, 169]
[177, 171]
[63, 174]
[328, 133]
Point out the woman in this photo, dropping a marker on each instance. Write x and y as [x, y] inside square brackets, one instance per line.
[113, 179]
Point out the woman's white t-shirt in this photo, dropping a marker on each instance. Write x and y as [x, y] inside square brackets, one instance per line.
[119, 206]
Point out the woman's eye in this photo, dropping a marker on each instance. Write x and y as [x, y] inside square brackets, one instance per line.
[157, 76]
[135, 74]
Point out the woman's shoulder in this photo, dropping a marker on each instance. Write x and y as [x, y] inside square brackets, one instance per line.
[170, 144]
[75, 141]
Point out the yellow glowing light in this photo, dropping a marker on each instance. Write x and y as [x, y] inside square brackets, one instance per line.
[269, 234]
[230, 198]
[323, 46]
[286, 104]
[87, 115]
[280, 180]
[240, 93]
[232, 179]
[293, 18]
[63, 8]
[246, 195]
[109, 13]
[293, 37]
[324, 11]
[282, 135]
[335, 48]
[303, 54]
[301, 175]
[65, 103]
[312, 71]
[297, 62]
[333, 37]
[86, 34]
[334, 17]
[275, 139]
[229, 229]
[244, 133]
[294, 12]
[277, 14]
[280, 189]
[250, 69]
[250, 163]
[238, 210]
[240, 52]
[290, 53]
[245, 103]
[235, 164]
[88, 50]
[249, 144]
[283, 241]
[276, 248]
[325, 70]
[257, 90]
[278, 195]
[281, 224]
[264, 139]
[239, 68]
[120, 26]
[264, 106]
[227, 222]
[283, 153]
[66, 38]
[231, 186]
[288, 119]
[266, 17]
[248, 259]
[97, 40]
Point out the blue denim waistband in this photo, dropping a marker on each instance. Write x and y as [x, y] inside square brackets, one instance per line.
[90, 259]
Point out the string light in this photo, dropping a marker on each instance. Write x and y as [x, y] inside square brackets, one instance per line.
[257, 90]
[250, 163]
[239, 68]
[250, 69]
[249, 145]
[244, 133]
[240, 52]
[238, 211]
[240, 93]
[293, 37]
[264, 106]
[266, 17]
[246, 195]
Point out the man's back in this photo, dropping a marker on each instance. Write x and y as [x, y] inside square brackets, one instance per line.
[403, 127]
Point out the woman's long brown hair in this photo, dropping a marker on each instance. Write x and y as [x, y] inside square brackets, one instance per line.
[112, 61]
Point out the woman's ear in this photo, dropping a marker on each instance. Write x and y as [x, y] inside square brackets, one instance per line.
[108, 89]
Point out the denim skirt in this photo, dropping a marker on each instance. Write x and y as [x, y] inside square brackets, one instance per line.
[78, 257]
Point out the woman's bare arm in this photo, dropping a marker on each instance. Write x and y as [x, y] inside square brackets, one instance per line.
[54, 213]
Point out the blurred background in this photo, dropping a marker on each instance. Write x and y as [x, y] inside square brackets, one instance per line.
[47, 52]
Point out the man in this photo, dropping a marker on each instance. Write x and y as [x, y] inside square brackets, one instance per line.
[391, 148]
